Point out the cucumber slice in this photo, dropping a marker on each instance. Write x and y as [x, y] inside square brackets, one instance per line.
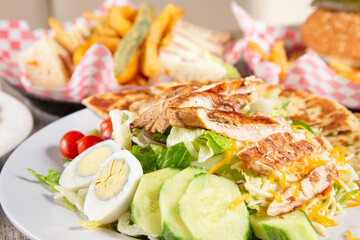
[290, 226]
[145, 211]
[205, 209]
[170, 193]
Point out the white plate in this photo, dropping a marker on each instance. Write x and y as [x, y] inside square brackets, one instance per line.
[30, 207]
[16, 123]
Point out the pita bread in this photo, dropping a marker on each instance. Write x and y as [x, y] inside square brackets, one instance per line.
[332, 117]
[102, 103]
[351, 142]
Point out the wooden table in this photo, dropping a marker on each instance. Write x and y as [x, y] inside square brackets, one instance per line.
[41, 119]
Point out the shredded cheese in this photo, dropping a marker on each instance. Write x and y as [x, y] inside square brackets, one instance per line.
[319, 208]
[351, 237]
[239, 200]
[283, 179]
[339, 154]
[295, 128]
[325, 221]
[225, 160]
[297, 189]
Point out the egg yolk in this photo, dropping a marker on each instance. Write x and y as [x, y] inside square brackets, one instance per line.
[92, 161]
[111, 179]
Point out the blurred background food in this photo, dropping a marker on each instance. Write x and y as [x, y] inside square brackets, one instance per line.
[333, 31]
[288, 12]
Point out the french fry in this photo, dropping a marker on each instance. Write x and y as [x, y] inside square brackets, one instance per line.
[345, 70]
[88, 15]
[126, 11]
[256, 47]
[110, 42]
[62, 36]
[150, 63]
[130, 71]
[278, 56]
[104, 30]
[118, 22]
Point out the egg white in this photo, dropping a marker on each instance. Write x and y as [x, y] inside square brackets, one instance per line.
[107, 211]
[71, 177]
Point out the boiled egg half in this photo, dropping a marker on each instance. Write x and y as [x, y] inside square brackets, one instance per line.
[112, 190]
[82, 169]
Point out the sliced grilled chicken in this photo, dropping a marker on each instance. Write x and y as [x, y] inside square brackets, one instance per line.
[277, 150]
[234, 125]
[314, 183]
[225, 95]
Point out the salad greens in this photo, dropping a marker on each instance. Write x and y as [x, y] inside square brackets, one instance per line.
[51, 181]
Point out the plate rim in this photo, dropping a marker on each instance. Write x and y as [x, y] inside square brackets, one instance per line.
[26, 114]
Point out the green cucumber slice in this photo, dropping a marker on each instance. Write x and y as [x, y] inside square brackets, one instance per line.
[145, 211]
[205, 209]
[291, 226]
[171, 192]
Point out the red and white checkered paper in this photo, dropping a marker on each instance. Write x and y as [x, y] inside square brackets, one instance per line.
[93, 75]
[308, 73]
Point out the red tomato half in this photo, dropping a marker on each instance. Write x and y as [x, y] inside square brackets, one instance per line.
[87, 142]
[106, 128]
[68, 144]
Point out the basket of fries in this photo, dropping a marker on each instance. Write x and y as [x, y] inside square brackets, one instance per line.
[278, 55]
[118, 46]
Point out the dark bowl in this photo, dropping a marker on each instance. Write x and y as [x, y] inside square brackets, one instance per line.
[55, 107]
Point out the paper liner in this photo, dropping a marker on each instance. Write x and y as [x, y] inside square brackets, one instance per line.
[309, 72]
[93, 75]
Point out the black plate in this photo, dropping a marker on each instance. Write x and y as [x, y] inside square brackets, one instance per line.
[55, 107]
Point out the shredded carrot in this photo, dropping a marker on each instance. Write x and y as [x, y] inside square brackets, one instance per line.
[225, 160]
[351, 237]
[327, 191]
[239, 200]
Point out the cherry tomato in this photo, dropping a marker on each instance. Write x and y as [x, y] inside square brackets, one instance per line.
[68, 144]
[87, 142]
[106, 128]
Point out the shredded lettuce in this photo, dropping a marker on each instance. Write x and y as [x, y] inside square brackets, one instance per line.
[126, 226]
[351, 193]
[72, 197]
[121, 121]
[187, 136]
[51, 181]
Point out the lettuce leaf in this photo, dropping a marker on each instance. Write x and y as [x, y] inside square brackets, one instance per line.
[121, 121]
[216, 142]
[51, 181]
[187, 136]
[146, 156]
[174, 156]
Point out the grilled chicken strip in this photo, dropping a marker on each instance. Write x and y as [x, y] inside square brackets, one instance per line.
[278, 149]
[234, 125]
[225, 95]
[314, 183]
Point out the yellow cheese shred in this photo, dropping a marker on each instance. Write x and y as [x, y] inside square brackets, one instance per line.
[339, 154]
[319, 208]
[325, 221]
[225, 160]
[239, 200]
[294, 128]
[351, 237]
